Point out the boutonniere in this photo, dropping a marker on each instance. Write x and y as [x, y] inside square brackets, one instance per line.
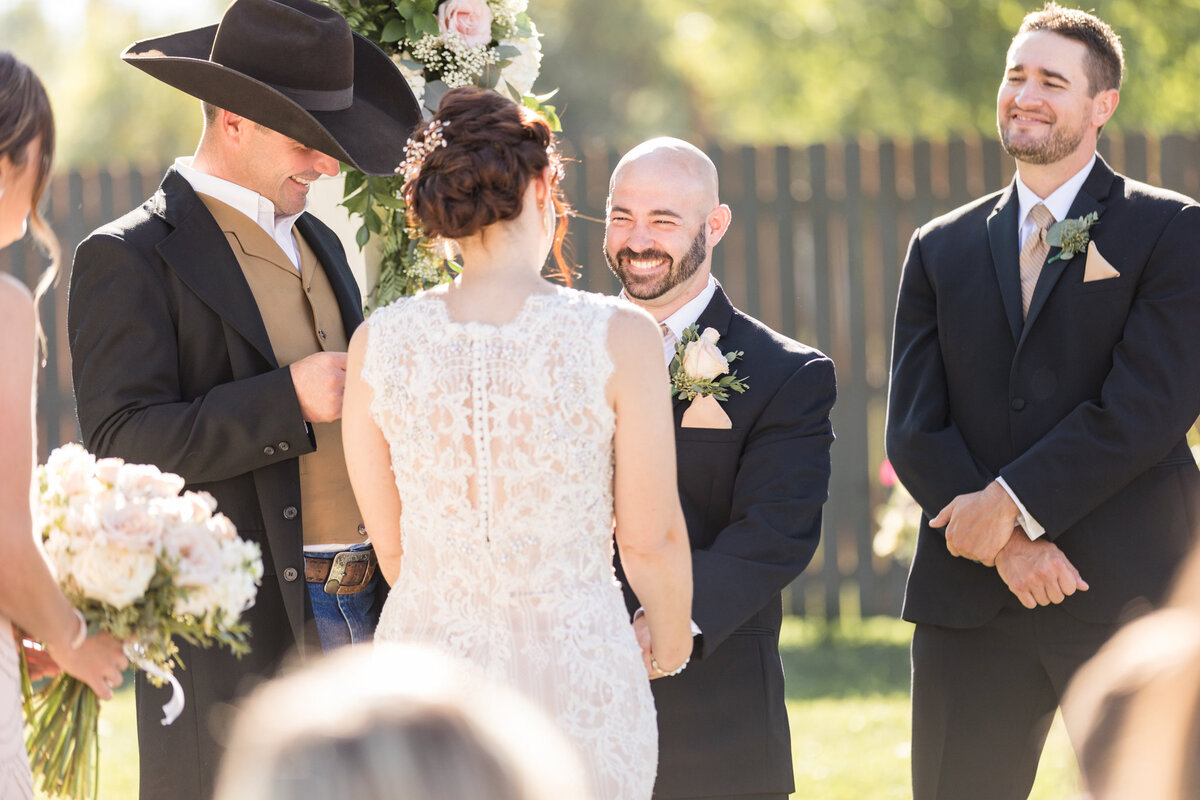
[1072, 235]
[700, 369]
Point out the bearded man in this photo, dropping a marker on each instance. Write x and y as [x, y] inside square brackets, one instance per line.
[753, 473]
[1044, 375]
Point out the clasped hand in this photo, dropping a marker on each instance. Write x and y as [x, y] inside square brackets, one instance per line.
[978, 524]
[981, 526]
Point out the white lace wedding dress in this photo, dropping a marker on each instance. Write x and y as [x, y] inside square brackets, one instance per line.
[501, 443]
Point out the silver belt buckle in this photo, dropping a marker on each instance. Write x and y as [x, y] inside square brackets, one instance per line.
[338, 570]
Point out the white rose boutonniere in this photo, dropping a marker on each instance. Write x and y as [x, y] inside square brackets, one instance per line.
[700, 369]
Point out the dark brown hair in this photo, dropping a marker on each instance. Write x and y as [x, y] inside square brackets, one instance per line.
[493, 148]
[1106, 59]
[25, 117]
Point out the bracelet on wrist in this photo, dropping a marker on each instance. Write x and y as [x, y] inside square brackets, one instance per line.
[81, 634]
[662, 672]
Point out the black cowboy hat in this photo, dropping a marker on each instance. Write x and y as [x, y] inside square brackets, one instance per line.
[293, 66]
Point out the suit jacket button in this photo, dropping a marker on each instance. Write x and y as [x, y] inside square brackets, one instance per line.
[1017, 404]
[268, 451]
[283, 447]
[290, 512]
[362, 530]
[290, 574]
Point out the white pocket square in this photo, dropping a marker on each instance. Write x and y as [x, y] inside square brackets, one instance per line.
[1097, 268]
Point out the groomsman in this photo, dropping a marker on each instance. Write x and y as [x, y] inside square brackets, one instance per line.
[1045, 373]
[753, 475]
[208, 331]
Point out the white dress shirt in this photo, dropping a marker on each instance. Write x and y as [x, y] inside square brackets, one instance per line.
[1059, 204]
[685, 316]
[248, 202]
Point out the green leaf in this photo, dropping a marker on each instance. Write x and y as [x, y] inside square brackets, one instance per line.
[407, 8]
[394, 30]
[361, 237]
[433, 93]
[507, 51]
[353, 182]
[427, 23]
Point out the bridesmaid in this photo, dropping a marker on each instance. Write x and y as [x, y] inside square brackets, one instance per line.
[29, 595]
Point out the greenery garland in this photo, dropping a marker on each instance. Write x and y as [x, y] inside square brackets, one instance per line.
[438, 45]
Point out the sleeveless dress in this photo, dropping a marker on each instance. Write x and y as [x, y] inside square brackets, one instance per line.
[502, 449]
[16, 783]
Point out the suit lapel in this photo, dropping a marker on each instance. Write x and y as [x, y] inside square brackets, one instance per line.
[1090, 198]
[1002, 237]
[201, 257]
[337, 270]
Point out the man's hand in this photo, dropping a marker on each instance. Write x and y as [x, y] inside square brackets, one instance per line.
[320, 381]
[978, 524]
[1037, 572]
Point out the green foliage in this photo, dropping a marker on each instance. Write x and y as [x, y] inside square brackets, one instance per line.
[765, 72]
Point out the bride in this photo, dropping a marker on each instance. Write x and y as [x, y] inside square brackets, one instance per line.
[499, 429]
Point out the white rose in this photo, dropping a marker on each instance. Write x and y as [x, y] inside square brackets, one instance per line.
[524, 69]
[147, 480]
[702, 359]
[108, 470]
[470, 19]
[112, 575]
[190, 508]
[69, 471]
[415, 78]
[133, 526]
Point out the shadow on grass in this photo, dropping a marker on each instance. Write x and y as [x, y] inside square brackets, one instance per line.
[833, 661]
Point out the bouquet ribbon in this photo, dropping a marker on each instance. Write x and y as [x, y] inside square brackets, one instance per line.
[173, 707]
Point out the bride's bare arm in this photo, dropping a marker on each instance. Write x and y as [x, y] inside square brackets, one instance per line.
[651, 533]
[368, 460]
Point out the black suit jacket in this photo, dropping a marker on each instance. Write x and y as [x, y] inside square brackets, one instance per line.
[752, 497]
[172, 366]
[1083, 408]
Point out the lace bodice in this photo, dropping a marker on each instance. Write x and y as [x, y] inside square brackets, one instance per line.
[501, 443]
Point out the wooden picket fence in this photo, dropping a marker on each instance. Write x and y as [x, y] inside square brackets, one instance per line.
[818, 238]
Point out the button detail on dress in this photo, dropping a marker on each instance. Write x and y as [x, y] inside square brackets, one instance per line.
[290, 512]
[290, 574]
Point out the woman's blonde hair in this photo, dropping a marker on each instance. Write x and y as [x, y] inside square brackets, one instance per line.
[26, 117]
[395, 722]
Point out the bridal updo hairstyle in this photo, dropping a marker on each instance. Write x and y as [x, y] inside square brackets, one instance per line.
[493, 147]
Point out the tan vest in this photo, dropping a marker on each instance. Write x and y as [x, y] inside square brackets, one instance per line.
[301, 315]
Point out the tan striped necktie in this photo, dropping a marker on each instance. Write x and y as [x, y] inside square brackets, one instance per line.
[669, 341]
[1033, 254]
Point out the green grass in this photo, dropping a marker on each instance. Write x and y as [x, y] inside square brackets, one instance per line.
[847, 696]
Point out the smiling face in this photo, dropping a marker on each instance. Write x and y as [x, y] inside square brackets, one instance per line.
[1045, 109]
[280, 169]
[663, 221]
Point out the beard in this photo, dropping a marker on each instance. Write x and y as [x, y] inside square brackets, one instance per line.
[1058, 145]
[649, 287]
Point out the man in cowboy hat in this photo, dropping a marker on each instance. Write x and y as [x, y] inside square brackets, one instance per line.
[208, 331]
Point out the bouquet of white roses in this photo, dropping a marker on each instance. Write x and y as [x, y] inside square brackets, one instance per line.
[144, 563]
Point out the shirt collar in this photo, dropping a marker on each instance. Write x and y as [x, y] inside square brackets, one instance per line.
[691, 311]
[1060, 200]
[247, 201]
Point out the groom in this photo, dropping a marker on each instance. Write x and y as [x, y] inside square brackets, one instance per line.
[753, 475]
[1042, 388]
[208, 331]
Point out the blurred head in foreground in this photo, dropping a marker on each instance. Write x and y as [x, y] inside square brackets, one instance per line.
[395, 722]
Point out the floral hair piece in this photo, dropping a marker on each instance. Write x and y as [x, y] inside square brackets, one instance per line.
[416, 152]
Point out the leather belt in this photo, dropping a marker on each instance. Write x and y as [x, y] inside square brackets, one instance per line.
[348, 572]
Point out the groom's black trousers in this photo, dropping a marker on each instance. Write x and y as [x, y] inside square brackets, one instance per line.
[983, 699]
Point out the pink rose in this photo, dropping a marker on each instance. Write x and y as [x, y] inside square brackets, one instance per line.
[470, 19]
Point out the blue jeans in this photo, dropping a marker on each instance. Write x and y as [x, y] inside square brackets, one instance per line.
[345, 618]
